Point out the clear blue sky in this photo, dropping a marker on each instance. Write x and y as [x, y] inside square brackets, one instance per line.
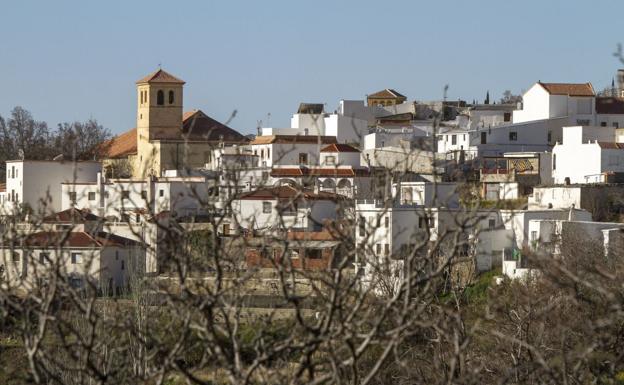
[72, 60]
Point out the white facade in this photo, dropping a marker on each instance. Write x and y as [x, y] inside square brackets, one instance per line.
[37, 184]
[538, 104]
[429, 194]
[586, 154]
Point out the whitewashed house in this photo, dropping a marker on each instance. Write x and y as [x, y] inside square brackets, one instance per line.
[575, 101]
[80, 257]
[289, 149]
[588, 155]
[285, 208]
[37, 183]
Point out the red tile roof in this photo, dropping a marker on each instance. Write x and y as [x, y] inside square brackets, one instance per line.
[72, 215]
[319, 171]
[287, 192]
[76, 239]
[122, 145]
[337, 147]
[293, 139]
[197, 126]
[160, 76]
[611, 145]
[609, 105]
[570, 89]
[388, 93]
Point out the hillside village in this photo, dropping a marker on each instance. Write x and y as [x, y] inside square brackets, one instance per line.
[384, 174]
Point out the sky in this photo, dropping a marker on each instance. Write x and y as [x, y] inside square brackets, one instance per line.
[75, 60]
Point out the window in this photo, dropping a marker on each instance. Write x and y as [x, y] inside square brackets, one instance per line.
[141, 97]
[261, 154]
[16, 257]
[265, 175]
[507, 116]
[266, 207]
[12, 173]
[603, 124]
[386, 249]
[453, 139]
[330, 160]
[362, 226]
[549, 136]
[44, 258]
[137, 218]
[492, 223]
[464, 137]
[314, 253]
[122, 265]
[268, 153]
[76, 258]
[171, 97]
[554, 163]
[72, 196]
[160, 98]
[303, 158]
[387, 220]
[484, 138]
[513, 136]
[615, 124]
[125, 194]
[91, 196]
[161, 192]
[143, 194]
[116, 255]
[378, 247]
[533, 236]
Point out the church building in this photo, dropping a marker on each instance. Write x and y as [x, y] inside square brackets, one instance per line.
[165, 138]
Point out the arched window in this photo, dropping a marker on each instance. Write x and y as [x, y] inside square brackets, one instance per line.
[160, 98]
[170, 97]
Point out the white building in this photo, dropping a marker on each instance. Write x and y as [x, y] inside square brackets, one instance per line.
[37, 184]
[106, 260]
[576, 101]
[587, 155]
[285, 208]
[289, 149]
[428, 194]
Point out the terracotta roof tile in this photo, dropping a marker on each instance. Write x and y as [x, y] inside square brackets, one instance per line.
[160, 76]
[122, 145]
[337, 147]
[198, 126]
[293, 139]
[76, 239]
[388, 93]
[609, 105]
[72, 215]
[319, 171]
[570, 89]
[611, 145]
[289, 193]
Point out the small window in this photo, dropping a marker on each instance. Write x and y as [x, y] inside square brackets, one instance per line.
[492, 223]
[116, 255]
[513, 136]
[378, 247]
[91, 196]
[171, 97]
[362, 226]
[386, 249]
[44, 258]
[143, 194]
[554, 164]
[507, 116]
[615, 124]
[76, 258]
[266, 207]
[549, 136]
[123, 266]
[137, 218]
[160, 98]
[387, 220]
[268, 153]
[314, 253]
[603, 124]
[141, 97]
[303, 158]
[16, 257]
[161, 192]
[72, 197]
[484, 137]
[330, 160]
[453, 139]
[125, 194]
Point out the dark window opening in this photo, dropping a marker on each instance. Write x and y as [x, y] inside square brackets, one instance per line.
[160, 98]
[171, 97]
